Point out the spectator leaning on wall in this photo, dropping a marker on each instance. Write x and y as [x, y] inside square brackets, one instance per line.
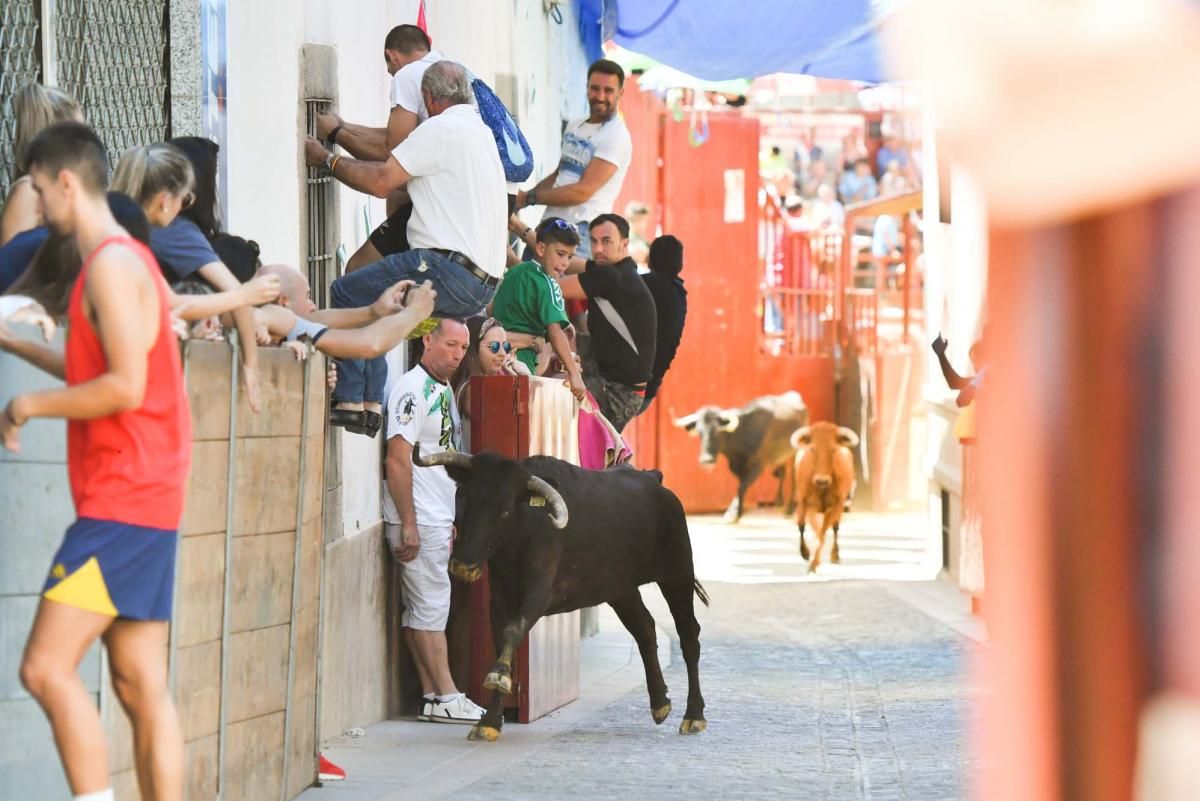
[419, 513]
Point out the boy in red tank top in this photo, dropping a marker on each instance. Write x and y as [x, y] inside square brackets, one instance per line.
[128, 453]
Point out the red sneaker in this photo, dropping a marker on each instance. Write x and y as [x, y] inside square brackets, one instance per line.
[329, 772]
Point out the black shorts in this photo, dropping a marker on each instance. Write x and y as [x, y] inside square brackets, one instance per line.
[392, 234]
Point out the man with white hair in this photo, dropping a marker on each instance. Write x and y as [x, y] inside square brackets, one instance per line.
[453, 174]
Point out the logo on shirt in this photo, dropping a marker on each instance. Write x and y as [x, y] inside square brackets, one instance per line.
[556, 295]
[446, 437]
[577, 153]
[406, 409]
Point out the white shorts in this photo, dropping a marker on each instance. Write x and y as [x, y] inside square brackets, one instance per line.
[425, 581]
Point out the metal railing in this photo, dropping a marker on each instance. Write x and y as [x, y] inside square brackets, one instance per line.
[819, 288]
[320, 258]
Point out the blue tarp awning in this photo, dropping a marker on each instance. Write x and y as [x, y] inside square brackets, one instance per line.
[724, 39]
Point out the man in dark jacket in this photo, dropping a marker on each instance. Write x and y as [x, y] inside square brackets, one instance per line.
[621, 321]
[670, 303]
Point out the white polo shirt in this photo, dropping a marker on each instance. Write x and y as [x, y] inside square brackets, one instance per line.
[457, 190]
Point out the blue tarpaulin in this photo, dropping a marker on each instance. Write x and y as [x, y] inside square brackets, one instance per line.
[724, 39]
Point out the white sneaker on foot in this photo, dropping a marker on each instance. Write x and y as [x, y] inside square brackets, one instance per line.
[426, 709]
[459, 709]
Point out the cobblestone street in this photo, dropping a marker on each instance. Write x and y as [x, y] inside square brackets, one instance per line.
[815, 689]
[843, 686]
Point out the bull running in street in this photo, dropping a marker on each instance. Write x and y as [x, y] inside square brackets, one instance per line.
[824, 481]
[753, 438]
[557, 538]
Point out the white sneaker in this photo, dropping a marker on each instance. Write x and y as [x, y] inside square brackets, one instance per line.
[459, 709]
[426, 709]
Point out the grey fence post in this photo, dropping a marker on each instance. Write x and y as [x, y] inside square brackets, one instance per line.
[296, 587]
[230, 490]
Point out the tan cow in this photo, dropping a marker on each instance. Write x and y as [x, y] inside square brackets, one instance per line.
[824, 478]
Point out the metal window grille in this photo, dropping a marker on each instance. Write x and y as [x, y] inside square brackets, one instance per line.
[20, 63]
[115, 59]
[322, 265]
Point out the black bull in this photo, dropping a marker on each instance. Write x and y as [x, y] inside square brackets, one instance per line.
[557, 538]
[753, 438]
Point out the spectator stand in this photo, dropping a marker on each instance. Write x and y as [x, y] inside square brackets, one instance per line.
[823, 299]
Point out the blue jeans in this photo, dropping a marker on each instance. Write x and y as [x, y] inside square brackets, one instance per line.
[584, 251]
[459, 294]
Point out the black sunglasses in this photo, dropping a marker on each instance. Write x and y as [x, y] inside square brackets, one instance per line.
[494, 347]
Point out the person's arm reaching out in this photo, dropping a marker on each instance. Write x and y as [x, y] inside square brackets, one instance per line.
[220, 277]
[562, 349]
[953, 379]
[377, 178]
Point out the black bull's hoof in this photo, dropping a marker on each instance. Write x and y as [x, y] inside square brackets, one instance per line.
[499, 680]
[693, 726]
[661, 713]
[483, 734]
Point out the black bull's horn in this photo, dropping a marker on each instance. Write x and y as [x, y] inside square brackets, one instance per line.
[452, 458]
[558, 507]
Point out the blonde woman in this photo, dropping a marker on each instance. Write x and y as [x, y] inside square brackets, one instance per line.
[35, 107]
[159, 177]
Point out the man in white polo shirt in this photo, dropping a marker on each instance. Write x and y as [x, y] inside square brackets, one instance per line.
[452, 171]
[596, 152]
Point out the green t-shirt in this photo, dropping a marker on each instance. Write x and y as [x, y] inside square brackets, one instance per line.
[528, 302]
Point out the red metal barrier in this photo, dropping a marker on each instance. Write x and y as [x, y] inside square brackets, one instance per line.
[519, 417]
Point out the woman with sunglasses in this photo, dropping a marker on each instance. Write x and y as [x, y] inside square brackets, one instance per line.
[490, 353]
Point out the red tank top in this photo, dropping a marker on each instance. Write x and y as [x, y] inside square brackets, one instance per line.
[130, 467]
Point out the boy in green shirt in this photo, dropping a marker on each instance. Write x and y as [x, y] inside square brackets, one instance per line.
[529, 300]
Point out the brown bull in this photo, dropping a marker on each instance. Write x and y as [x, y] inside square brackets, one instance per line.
[824, 479]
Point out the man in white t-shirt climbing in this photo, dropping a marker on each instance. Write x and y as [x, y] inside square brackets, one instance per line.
[407, 52]
[418, 512]
[595, 157]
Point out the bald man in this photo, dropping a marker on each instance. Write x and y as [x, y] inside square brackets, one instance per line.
[361, 333]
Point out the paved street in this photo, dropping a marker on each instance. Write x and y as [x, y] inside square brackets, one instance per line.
[848, 685]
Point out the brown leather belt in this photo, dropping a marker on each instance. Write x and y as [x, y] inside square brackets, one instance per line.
[463, 261]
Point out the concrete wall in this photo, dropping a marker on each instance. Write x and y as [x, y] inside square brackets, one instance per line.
[955, 286]
[535, 64]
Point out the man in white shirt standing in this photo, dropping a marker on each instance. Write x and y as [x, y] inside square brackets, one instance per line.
[407, 52]
[596, 152]
[452, 171]
[418, 512]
